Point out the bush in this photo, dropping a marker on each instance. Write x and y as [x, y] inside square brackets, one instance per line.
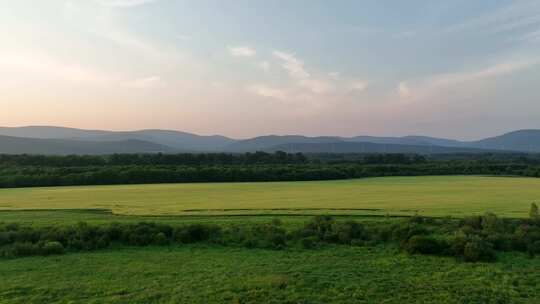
[348, 232]
[476, 250]
[50, 248]
[534, 249]
[501, 242]
[403, 232]
[474, 222]
[320, 226]
[161, 239]
[194, 233]
[534, 214]
[425, 245]
[309, 242]
[24, 249]
[491, 223]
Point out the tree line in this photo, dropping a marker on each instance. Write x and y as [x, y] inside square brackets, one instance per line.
[36, 170]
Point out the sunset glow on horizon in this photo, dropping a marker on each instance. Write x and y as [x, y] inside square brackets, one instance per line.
[459, 69]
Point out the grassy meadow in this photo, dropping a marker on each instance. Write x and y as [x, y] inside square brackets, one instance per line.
[427, 195]
[207, 274]
[213, 273]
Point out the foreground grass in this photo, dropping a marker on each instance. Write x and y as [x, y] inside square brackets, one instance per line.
[429, 196]
[210, 274]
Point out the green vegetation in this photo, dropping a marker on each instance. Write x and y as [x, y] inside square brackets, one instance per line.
[182, 243]
[215, 274]
[320, 261]
[36, 170]
[429, 196]
[470, 239]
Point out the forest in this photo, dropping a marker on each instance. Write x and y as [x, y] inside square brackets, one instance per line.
[39, 170]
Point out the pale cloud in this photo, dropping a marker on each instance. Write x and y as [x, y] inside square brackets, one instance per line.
[242, 51]
[183, 37]
[297, 72]
[150, 82]
[36, 65]
[124, 3]
[495, 70]
[133, 43]
[359, 85]
[270, 92]
[531, 37]
[432, 86]
[516, 15]
[316, 86]
[264, 65]
[403, 90]
[334, 75]
[293, 65]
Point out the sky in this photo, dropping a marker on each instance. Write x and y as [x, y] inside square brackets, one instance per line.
[460, 69]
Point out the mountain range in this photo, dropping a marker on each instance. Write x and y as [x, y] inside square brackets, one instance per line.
[60, 140]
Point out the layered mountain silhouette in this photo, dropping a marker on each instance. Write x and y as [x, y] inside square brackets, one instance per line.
[19, 145]
[60, 140]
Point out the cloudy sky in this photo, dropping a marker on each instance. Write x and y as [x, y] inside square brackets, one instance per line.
[462, 69]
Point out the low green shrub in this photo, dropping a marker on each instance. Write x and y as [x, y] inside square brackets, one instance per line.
[426, 245]
[471, 239]
[476, 250]
[51, 248]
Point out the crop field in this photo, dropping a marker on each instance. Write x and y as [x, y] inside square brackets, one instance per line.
[429, 196]
[208, 274]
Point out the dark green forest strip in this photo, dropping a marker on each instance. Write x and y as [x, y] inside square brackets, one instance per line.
[36, 171]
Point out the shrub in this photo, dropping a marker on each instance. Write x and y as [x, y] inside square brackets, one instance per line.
[534, 214]
[501, 242]
[161, 239]
[348, 232]
[476, 250]
[309, 242]
[534, 249]
[320, 226]
[474, 222]
[50, 248]
[491, 223]
[403, 232]
[194, 233]
[425, 245]
[25, 249]
[7, 237]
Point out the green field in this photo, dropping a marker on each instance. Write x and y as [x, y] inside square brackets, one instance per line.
[210, 273]
[430, 196]
[207, 274]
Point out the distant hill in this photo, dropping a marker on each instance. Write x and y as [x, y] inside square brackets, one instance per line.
[266, 142]
[368, 147]
[409, 140]
[180, 141]
[522, 140]
[18, 145]
[175, 141]
[50, 132]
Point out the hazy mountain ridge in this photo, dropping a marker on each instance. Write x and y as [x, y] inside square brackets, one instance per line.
[265, 142]
[181, 141]
[521, 140]
[19, 145]
[59, 140]
[369, 147]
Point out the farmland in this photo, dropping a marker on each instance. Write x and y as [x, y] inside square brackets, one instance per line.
[207, 274]
[266, 249]
[429, 196]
